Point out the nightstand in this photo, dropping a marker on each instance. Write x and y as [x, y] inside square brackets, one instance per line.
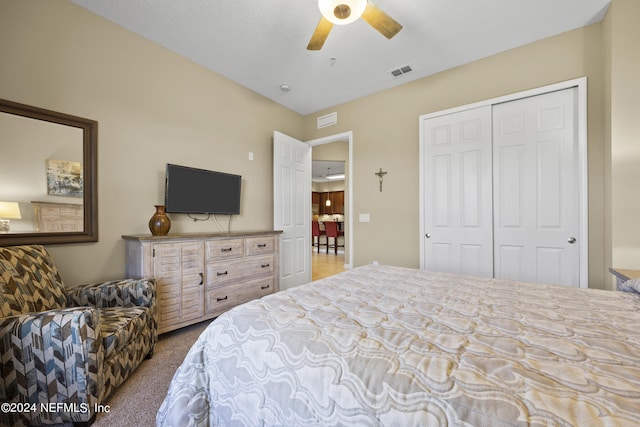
[623, 275]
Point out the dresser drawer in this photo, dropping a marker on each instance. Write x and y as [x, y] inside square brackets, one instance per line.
[225, 297]
[220, 273]
[224, 249]
[260, 245]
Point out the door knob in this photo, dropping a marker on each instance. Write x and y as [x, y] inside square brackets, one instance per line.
[428, 236]
[571, 240]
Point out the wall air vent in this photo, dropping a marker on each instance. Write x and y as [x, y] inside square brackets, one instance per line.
[401, 71]
[327, 120]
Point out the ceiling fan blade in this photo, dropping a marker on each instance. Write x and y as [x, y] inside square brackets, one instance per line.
[320, 34]
[383, 23]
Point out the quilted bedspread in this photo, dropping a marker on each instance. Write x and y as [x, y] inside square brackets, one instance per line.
[393, 346]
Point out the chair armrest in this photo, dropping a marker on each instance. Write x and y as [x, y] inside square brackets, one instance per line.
[51, 356]
[117, 293]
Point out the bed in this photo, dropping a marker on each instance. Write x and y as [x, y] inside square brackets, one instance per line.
[391, 346]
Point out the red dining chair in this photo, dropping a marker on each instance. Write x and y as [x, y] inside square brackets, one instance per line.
[331, 229]
[316, 233]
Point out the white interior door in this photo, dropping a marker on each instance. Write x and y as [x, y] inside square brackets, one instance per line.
[292, 208]
[458, 204]
[536, 189]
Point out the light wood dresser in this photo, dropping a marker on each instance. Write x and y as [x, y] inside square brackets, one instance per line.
[202, 275]
[58, 217]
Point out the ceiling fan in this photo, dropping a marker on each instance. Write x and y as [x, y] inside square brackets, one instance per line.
[342, 12]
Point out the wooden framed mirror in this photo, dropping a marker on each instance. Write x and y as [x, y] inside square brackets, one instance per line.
[48, 176]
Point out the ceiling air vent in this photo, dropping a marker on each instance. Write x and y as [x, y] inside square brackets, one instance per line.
[401, 71]
[327, 120]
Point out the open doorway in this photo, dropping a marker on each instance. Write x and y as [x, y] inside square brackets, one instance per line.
[328, 179]
[331, 202]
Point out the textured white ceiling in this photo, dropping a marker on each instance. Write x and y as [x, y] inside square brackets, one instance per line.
[321, 168]
[261, 44]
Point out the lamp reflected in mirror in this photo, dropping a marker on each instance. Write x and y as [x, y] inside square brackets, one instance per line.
[8, 211]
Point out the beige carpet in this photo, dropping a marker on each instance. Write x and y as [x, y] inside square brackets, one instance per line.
[136, 402]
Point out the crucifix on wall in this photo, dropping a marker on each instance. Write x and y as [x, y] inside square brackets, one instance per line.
[380, 174]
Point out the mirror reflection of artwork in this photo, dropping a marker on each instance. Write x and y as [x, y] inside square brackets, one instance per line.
[64, 178]
[64, 192]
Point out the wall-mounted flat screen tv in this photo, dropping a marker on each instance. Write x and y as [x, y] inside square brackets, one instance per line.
[199, 191]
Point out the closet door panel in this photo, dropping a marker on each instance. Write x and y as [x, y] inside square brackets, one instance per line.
[443, 257]
[549, 265]
[511, 180]
[549, 186]
[471, 188]
[458, 193]
[441, 207]
[509, 261]
[536, 195]
[471, 260]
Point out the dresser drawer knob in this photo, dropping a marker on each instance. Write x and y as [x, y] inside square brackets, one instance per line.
[222, 299]
[226, 249]
[265, 287]
[224, 273]
[265, 265]
[262, 245]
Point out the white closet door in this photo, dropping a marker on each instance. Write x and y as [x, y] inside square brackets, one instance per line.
[536, 189]
[457, 185]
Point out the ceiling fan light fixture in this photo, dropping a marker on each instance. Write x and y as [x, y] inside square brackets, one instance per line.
[342, 12]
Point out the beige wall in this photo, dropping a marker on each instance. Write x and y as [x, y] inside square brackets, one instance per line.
[622, 34]
[385, 134]
[152, 106]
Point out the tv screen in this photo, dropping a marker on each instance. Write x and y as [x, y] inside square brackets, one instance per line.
[199, 191]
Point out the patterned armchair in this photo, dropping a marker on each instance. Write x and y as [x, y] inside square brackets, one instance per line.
[64, 351]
